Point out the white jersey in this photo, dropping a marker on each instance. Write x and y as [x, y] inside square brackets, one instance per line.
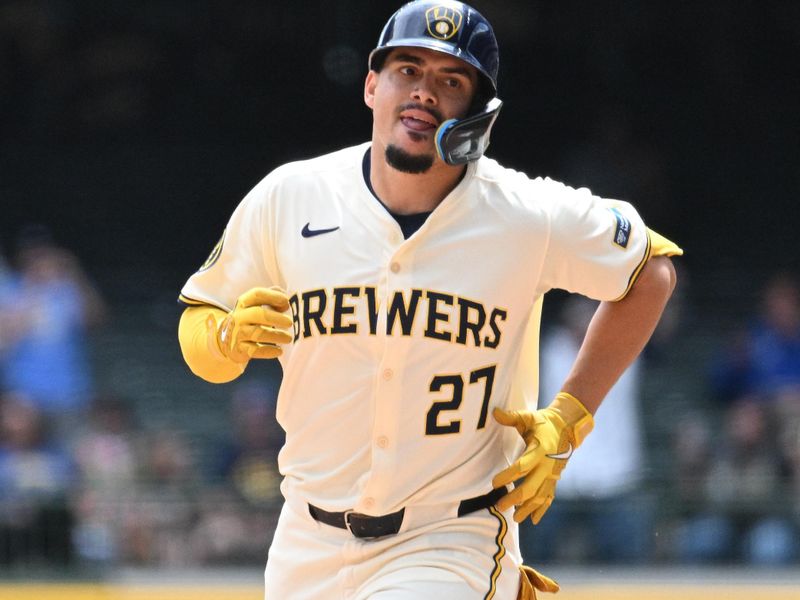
[402, 347]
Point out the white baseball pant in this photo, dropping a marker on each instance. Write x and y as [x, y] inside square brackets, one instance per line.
[473, 557]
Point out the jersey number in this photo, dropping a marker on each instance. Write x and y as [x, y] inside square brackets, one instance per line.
[432, 425]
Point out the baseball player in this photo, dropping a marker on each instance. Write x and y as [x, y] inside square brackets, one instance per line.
[400, 284]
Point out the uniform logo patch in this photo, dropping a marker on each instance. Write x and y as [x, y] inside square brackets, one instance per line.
[307, 232]
[443, 22]
[563, 455]
[215, 253]
[622, 232]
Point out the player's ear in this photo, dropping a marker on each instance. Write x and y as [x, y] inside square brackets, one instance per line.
[369, 88]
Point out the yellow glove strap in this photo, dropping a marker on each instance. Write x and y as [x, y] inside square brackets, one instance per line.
[197, 335]
[575, 415]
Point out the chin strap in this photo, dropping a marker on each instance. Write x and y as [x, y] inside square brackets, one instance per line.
[459, 141]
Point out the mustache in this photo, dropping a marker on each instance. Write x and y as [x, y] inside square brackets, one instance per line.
[428, 109]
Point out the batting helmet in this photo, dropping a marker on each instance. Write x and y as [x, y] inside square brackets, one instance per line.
[459, 30]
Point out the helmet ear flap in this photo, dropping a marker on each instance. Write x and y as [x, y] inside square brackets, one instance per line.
[459, 141]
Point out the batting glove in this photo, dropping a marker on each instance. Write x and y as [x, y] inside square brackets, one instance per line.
[551, 434]
[531, 581]
[255, 328]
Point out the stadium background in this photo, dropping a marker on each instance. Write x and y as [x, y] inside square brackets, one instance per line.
[130, 130]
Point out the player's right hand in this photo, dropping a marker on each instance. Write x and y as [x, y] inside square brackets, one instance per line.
[255, 328]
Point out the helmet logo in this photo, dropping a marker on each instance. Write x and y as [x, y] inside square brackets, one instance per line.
[443, 22]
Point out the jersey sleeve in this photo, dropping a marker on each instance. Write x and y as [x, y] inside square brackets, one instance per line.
[241, 260]
[597, 246]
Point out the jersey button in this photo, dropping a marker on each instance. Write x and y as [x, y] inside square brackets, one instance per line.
[388, 374]
[383, 441]
[369, 502]
[395, 267]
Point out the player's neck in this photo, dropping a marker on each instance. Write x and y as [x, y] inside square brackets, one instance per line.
[405, 193]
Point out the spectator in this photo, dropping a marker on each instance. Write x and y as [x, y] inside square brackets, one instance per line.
[747, 481]
[107, 454]
[226, 532]
[739, 513]
[765, 358]
[248, 460]
[239, 511]
[35, 478]
[700, 535]
[50, 306]
[790, 448]
[757, 379]
[158, 518]
[601, 512]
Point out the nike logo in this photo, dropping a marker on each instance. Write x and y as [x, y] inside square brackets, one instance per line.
[308, 232]
[563, 455]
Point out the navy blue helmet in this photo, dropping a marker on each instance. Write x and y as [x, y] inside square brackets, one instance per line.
[459, 30]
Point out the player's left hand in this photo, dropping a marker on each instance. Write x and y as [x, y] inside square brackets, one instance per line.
[551, 434]
[531, 581]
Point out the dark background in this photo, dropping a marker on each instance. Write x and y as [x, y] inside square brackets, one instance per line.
[132, 129]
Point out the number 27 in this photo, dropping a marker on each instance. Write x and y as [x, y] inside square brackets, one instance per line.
[432, 425]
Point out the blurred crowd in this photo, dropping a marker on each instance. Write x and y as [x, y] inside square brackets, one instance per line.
[737, 464]
[84, 482]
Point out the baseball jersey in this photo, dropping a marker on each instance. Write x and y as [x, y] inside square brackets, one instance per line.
[402, 347]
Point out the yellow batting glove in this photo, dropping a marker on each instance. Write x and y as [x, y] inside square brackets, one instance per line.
[531, 581]
[255, 328]
[551, 434]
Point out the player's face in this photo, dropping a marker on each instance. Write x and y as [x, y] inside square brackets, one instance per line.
[415, 92]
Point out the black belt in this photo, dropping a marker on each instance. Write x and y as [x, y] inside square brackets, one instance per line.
[365, 526]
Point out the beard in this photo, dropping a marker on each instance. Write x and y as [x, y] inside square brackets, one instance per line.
[406, 162]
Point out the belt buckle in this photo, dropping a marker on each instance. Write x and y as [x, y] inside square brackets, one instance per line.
[347, 525]
[360, 534]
